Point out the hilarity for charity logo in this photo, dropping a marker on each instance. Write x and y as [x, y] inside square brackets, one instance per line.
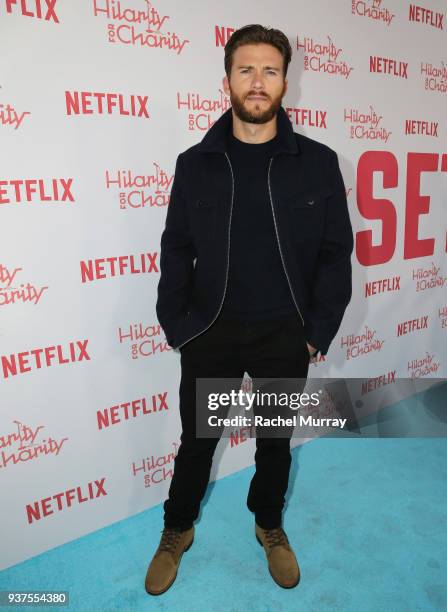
[428, 278]
[323, 57]
[201, 110]
[361, 344]
[12, 294]
[372, 9]
[23, 445]
[423, 366]
[442, 316]
[144, 340]
[156, 469]
[366, 126]
[141, 190]
[11, 116]
[141, 27]
[435, 77]
[329, 405]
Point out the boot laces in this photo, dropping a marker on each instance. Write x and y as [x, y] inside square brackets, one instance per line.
[169, 540]
[276, 537]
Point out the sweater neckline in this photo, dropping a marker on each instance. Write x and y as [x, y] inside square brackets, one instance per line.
[250, 147]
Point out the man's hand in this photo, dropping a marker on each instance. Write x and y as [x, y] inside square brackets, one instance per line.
[312, 350]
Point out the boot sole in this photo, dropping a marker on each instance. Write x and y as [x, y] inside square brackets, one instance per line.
[290, 586]
[173, 580]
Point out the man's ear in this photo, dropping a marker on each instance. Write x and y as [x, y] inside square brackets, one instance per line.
[225, 85]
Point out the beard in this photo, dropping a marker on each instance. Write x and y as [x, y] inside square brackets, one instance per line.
[256, 111]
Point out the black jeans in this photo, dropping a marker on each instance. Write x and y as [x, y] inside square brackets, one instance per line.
[274, 348]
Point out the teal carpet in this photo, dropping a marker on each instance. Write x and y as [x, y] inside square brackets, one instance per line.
[366, 518]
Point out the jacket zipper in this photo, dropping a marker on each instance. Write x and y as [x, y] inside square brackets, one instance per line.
[228, 259]
[279, 245]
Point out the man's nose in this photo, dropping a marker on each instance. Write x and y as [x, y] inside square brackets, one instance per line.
[258, 81]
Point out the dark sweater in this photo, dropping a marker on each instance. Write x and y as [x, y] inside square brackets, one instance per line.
[257, 286]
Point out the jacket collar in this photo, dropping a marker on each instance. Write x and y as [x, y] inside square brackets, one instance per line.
[216, 137]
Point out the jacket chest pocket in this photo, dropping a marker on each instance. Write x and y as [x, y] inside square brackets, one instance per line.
[307, 212]
[313, 200]
[203, 216]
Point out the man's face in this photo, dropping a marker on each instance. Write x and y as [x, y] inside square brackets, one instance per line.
[256, 86]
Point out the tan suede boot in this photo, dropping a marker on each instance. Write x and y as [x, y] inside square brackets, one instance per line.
[283, 566]
[162, 570]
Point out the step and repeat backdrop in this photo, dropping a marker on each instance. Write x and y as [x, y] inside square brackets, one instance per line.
[97, 99]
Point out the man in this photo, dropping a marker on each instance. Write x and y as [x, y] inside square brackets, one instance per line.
[255, 276]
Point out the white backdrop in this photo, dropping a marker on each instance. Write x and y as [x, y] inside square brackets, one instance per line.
[97, 99]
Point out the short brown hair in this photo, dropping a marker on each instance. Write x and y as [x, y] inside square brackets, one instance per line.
[254, 34]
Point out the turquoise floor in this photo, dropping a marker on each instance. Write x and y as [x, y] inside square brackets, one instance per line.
[366, 518]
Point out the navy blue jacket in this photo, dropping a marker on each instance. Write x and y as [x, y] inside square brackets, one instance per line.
[312, 225]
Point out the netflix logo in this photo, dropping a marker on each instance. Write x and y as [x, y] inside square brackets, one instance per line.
[371, 384]
[307, 117]
[420, 14]
[97, 269]
[384, 285]
[95, 103]
[26, 361]
[63, 500]
[40, 9]
[131, 410]
[385, 65]
[408, 327]
[18, 191]
[222, 35]
[414, 127]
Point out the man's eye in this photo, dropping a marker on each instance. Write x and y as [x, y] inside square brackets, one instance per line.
[269, 71]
